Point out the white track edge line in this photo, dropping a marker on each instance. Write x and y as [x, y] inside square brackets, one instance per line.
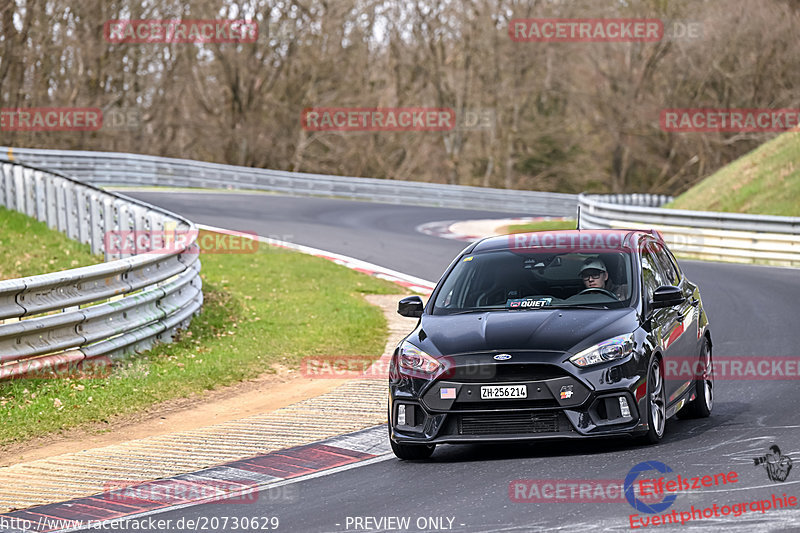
[258, 488]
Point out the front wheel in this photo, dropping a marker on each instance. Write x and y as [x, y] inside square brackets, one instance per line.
[656, 402]
[703, 402]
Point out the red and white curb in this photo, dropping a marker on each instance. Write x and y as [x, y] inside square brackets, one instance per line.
[411, 282]
[238, 482]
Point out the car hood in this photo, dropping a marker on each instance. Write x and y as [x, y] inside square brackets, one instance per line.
[562, 330]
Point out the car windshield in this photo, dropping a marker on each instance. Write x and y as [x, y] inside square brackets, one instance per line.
[513, 281]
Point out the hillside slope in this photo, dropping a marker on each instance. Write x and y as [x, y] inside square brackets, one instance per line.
[28, 247]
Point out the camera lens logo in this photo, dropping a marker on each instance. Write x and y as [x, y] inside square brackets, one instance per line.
[636, 503]
[776, 464]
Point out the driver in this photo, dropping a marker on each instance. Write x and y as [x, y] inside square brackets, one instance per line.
[595, 276]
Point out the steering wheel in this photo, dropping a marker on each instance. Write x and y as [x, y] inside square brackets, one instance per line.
[591, 290]
[488, 297]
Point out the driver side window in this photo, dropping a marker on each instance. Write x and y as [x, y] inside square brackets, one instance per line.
[668, 271]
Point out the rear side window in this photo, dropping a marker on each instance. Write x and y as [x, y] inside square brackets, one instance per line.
[652, 276]
[669, 271]
[510, 279]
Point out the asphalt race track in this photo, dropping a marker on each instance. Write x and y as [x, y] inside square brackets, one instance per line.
[467, 488]
[383, 234]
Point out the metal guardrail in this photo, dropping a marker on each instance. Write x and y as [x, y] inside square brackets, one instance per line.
[703, 234]
[108, 168]
[107, 310]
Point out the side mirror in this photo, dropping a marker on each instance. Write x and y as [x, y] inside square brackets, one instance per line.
[410, 306]
[667, 296]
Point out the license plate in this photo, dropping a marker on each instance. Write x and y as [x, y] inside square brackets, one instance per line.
[503, 392]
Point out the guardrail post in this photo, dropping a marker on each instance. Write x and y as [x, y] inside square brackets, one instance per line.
[96, 222]
[18, 191]
[110, 229]
[125, 225]
[62, 212]
[72, 211]
[5, 172]
[51, 203]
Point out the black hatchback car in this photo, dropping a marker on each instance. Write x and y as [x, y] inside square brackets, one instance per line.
[564, 334]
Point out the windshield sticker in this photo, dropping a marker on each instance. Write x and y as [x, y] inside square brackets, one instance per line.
[528, 303]
[469, 258]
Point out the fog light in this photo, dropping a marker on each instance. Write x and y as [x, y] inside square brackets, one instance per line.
[401, 415]
[623, 407]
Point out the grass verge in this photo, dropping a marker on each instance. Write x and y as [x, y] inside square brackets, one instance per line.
[542, 225]
[28, 247]
[765, 181]
[269, 307]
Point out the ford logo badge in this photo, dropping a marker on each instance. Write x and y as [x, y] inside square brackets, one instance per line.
[501, 357]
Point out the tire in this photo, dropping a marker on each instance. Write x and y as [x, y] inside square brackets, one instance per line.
[703, 403]
[656, 403]
[412, 452]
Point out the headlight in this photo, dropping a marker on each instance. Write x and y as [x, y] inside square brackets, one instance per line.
[616, 348]
[413, 360]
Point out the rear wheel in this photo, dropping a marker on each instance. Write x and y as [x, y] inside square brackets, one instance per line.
[703, 402]
[656, 402]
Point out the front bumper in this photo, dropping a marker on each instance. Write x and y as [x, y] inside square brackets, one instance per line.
[558, 404]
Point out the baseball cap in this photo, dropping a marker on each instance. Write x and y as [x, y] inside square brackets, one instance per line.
[593, 264]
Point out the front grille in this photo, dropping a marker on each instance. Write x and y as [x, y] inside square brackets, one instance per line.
[508, 423]
[502, 372]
